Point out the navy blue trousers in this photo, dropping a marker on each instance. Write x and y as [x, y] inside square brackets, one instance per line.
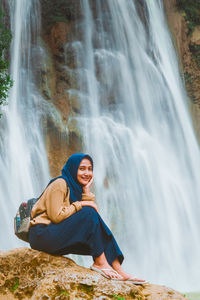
[83, 233]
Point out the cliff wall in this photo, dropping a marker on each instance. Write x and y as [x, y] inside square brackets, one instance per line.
[186, 35]
[56, 78]
[57, 75]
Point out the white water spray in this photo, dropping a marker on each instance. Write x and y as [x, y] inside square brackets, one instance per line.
[23, 160]
[136, 125]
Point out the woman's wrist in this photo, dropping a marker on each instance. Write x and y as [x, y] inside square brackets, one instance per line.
[85, 203]
[86, 190]
[90, 203]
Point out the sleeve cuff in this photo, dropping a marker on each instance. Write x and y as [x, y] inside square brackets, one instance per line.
[88, 197]
[77, 205]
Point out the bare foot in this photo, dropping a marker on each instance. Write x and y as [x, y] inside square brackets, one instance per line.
[108, 270]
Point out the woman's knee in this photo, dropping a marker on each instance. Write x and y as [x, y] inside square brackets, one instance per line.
[89, 210]
[90, 213]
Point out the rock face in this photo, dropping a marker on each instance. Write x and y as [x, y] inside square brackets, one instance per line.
[188, 49]
[30, 274]
[60, 20]
[57, 78]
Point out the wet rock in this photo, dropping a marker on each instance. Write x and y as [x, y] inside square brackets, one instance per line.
[59, 11]
[189, 60]
[57, 81]
[195, 38]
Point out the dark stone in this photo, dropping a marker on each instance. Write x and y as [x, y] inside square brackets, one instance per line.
[59, 11]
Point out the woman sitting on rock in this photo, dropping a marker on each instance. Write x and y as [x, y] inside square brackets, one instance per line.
[66, 220]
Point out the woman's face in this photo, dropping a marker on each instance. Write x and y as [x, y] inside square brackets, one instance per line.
[85, 172]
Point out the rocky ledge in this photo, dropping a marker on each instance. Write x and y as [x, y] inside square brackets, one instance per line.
[30, 274]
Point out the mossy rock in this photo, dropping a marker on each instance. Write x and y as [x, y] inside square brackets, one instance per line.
[59, 11]
[191, 9]
[195, 50]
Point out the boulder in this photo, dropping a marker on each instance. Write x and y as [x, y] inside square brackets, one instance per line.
[31, 274]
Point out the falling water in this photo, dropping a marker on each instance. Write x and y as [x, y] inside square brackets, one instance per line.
[23, 162]
[135, 123]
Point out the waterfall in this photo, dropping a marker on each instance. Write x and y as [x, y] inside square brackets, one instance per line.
[136, 125]
[23, 159]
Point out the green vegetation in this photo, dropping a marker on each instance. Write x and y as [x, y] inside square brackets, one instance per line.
[5, 80]
[87, 288]
[192, 296]
[56, 19]
[16, 285]
[189, 79]
[58, 11]
[64, 292]
[12, 284]
[191, 8]
[195, 50]
[116, 297]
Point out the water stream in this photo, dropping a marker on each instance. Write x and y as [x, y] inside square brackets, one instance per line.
[23, 160]
[136, 125]
[134, 122]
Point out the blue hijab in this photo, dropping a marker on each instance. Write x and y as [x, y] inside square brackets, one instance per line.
[69, 174]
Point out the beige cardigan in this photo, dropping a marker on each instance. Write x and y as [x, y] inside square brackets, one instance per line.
[54, 205]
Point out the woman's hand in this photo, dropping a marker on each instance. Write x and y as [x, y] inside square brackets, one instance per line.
[90, 203]
[86, 188]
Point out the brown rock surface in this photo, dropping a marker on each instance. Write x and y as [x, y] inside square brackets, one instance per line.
[188, 64]
[30, 274]
[57, 79]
